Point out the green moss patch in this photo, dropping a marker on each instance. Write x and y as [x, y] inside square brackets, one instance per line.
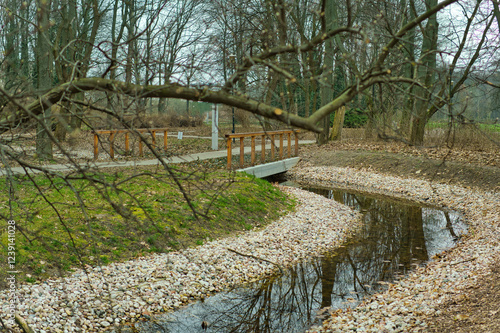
[97, 218]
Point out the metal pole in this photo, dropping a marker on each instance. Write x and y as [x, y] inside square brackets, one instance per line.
[232, 60]
[215, 127]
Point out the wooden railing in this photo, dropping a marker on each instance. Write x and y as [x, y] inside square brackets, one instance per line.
[263, 135]
[112, 135]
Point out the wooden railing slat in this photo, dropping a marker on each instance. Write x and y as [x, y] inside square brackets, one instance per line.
[253, 135]
[113, 133]
[242, 152]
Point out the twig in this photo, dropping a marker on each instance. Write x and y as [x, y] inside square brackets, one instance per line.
[22, 323]
[257, 258]
[460, 262]
[4, 327]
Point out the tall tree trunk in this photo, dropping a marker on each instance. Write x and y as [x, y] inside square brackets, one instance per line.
[408, 70]
[129, 65]
[44, 78]
[11, 47]
[339, 84]
[113, 99]
[326, 89]
[371, 115]
[65, 44]
[426, 75]
[25, 33]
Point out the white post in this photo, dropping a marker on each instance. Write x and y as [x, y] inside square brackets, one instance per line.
[215, 127]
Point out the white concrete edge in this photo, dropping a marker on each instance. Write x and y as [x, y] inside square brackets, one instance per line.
[269, 169]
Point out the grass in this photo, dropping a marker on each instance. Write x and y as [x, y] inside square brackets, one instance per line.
[65, 222]
[445, 125]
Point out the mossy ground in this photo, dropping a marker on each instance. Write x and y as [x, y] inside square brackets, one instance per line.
[98, 218]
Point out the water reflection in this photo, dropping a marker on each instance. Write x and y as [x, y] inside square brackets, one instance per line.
[394, 238]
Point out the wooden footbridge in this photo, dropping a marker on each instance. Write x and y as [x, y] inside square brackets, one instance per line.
[278, 152]
[278, 149]
[277, 161]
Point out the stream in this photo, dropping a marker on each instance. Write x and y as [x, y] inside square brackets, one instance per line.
[395, 237]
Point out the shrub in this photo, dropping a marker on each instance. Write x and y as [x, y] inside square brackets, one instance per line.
[355, 118]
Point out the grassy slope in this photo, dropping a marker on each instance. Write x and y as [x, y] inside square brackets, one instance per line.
[65, 222]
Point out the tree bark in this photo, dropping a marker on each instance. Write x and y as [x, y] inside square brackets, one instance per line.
[11, 47]
[338, 123]
[425, 74]
[326, 90]
[44, 75]
[408, 71]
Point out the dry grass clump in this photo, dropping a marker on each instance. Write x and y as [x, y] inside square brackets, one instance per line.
[464, 136]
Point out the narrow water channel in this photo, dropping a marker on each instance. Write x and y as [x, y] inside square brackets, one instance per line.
[395, 237]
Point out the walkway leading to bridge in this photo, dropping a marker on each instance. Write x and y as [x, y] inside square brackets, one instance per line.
[116, 164]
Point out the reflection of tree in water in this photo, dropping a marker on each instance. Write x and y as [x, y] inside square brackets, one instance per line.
[282, 304]
[390, 241]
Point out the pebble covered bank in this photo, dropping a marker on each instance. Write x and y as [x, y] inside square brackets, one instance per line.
[120, 293]
[112, 295]
[407, 303]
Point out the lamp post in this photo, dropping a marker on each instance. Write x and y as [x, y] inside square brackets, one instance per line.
[232, 61]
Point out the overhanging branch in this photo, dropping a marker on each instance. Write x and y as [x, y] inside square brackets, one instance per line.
[7, 119]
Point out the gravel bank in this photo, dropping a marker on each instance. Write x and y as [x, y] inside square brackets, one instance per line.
[118, 293]
[407, 303]
[111, 295]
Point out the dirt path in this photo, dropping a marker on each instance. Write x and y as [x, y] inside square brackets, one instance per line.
[417, 163]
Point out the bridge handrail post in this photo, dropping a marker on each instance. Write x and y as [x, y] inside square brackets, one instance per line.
[96, 146]
[165, 139]
[296, 144]
[127, 143]
[111, 144]
[281, 146]
[263, 149]
[272, 147]
[252, 148]
[289, 144]
[242, 152]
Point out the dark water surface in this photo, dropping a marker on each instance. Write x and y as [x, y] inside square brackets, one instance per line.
[395, 237]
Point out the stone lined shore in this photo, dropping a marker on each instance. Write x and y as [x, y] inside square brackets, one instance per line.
[407, 303]
[121, 293]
